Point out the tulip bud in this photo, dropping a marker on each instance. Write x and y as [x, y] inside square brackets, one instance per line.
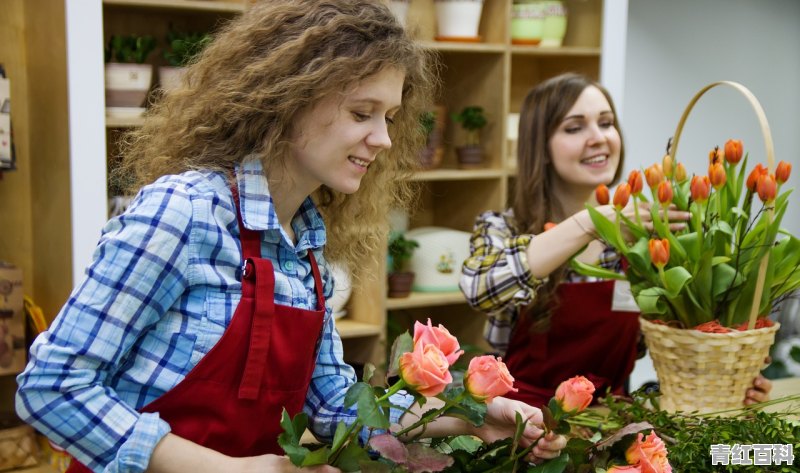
[601, 194]
[665, 193]
[767, 188]
[549, 226]
[783, 171]
[653, 175]
[717, 176]
[733, 151]
[621, 195]
[635, 181]
[659, 252]
[666, 166]
[752, 179]
[715, 156]
[680, 173]
[700, 188]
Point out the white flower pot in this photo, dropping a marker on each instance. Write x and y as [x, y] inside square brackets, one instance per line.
[400, 9]
[127, 84]
[169, 77]
[458, 19]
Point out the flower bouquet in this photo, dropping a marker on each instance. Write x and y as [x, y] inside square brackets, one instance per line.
[423, 365]
[705, 291]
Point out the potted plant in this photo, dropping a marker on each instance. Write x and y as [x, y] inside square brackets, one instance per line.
[472, 120]
[127, 77]
[458, 20]
[432, 124]
[400, 279]
[181, 50]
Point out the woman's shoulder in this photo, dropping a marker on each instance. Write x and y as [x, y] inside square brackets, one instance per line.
[191, 183]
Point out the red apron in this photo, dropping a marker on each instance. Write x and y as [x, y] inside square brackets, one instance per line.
[232, 400]
[586, 338]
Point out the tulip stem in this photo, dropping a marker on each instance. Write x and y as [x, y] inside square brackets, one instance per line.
[636, 210]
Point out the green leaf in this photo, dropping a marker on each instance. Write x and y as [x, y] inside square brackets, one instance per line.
[351, 457]
[794, 353]
[650, 301]
[402, 344]
[594, 271]
[467, 443]
[556, 465]
[608, 230]
[317, 457]
[676, 279]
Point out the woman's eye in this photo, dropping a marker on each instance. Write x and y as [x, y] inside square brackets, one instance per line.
[360, 117]
[390, 120]
[572, 129]
[606, 124]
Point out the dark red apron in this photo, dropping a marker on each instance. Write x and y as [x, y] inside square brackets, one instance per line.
[232, 400]
[586, 338]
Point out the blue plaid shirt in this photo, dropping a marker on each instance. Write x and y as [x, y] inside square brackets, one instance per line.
[158, 296]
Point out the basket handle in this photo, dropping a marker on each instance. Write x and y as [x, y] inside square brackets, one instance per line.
[770, 148]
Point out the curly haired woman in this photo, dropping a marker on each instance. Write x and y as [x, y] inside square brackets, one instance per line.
[204, 312]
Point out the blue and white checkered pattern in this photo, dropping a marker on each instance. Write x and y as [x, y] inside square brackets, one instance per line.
[158, 296]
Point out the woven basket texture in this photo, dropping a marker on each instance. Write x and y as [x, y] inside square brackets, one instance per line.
[17, 448]
[705, 372]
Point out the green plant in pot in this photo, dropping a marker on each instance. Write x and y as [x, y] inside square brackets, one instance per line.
[181, 50]
[400, 279]
[127, 76]
[431, 155]
[472, 120]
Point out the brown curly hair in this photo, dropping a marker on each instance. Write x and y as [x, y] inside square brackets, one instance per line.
[243, 92]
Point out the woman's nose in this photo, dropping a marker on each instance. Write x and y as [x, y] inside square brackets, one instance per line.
[379, 136]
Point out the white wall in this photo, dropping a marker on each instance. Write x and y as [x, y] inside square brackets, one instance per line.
[676, 47]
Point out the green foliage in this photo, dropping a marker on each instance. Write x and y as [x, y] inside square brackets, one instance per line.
[472, 119]
[401, 249]
[183, 47]
[131, 49]
[427, 120]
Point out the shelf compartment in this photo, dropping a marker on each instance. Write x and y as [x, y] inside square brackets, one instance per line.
[425, 299]
[458, 174]
[192, 5]
[352, 329]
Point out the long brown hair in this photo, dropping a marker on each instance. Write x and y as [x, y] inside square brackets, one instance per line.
[279, 58]
[543, 110]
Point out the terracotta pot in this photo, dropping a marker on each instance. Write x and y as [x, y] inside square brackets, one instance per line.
[400, 283]
[470, 157]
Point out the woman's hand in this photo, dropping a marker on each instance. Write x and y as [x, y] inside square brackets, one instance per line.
[500, 423]
[759, 392]
[677, 218]
[280, 464]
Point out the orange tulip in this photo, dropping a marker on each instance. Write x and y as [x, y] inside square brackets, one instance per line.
[733, 151]
[680, 173]
[700, 188]
[621, 195]
[666, 166]
[752, 179]
[783, 171]
[635, 181]
[717, 176]
[659, 252]
[653, 175]
[549, 226]
[665, 193]
[767, 188]
[715, 156]
[601, 194]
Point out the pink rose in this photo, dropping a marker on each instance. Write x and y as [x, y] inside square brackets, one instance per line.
[425, 369]
[650, 454]
[575, 394]
[625, 469]
[487, 378]
[439, 337]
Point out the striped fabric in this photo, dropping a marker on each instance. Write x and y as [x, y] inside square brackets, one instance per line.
[162, 288]
[496, 278]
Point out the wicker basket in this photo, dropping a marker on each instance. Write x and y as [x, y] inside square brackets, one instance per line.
[709, 372]
[705, 372]
[18, 448]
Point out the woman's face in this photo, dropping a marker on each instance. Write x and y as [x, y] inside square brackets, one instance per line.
[585, 148]
[337, 140]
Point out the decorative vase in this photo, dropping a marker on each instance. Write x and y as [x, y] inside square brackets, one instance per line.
[705, 372]
[127, 84]
[527, 23]
[458, 20]
[554, 27]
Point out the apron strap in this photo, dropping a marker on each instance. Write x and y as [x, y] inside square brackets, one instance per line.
[261, 330]
[317, 281]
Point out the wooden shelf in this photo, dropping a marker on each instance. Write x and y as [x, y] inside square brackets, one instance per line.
[425, 299]
[115, 122]
[464, 47]
[458, 174]
[565, 51]
[189, 5]
[352, 329]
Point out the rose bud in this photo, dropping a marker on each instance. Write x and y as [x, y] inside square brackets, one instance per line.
[666, 166]
[487, 377]
[650, 453]
[783, 171]
[636, 182]
[439, 337]
[767, 188]
[752, 179]
[653, 175]
[717, 176]
[733, 151]
[425, 369]
[700, 188]
[665, 193]
[659, 252]
[680, 173]
[575, 394]
[715, 156]
[621, 195]
[625, 469]
[601, 194]
[549, 226]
